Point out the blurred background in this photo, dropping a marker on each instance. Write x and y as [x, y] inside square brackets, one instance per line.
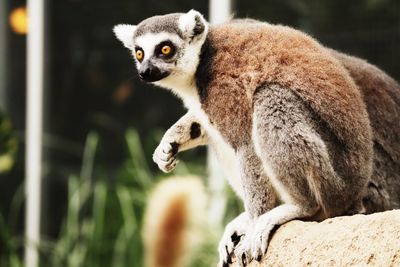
[101, 124]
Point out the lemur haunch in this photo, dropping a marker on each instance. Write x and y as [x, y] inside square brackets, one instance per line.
[301, 131]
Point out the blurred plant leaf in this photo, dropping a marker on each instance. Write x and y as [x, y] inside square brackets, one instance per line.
[8, 144]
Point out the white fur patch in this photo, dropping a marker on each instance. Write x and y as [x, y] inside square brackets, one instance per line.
[228, 161]
[187, 21]
[225, 153]
[124, 33]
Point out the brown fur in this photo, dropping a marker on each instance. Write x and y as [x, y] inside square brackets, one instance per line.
[171, 233]
[259, 53]
[382, 96]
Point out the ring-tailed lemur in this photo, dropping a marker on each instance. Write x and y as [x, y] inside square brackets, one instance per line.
[301, 131]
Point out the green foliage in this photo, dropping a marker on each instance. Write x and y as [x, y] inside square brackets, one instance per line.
[9, 244]
[9, 241]
[8, 144]
[103, 222]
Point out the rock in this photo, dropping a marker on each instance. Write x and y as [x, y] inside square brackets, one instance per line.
[359, 240]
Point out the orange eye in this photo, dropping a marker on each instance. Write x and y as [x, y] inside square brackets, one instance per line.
[139, 55]
[166, 49]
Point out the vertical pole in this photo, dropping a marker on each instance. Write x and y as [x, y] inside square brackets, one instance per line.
[35, 47]
[220, 11]
[3, 54]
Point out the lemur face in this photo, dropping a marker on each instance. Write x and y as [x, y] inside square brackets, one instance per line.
[166, 48]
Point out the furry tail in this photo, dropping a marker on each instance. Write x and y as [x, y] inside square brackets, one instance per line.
[174, 216]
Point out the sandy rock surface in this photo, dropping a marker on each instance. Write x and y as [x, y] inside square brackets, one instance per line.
[360, 240]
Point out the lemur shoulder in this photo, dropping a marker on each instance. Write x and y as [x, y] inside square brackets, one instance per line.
[302, 131]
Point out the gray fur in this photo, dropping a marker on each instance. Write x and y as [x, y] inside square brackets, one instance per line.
[166, 23]
[383, 190]
[259, 195]
[288, 141]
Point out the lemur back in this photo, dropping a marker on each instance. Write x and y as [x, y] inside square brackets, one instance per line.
[381, 95]
[258, 54]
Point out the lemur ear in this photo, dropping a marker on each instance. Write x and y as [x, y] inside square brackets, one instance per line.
[124, 33]
[193, 24]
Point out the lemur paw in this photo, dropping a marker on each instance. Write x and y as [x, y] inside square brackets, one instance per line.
[233, 233]
[165, 156]
[254, 244]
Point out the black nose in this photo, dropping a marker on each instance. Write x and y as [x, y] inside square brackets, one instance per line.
[144, 74]
[152, 74]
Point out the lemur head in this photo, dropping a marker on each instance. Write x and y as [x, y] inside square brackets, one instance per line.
[166, 48]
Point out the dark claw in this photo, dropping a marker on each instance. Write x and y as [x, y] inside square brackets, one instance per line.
[175, 148]
[229, 255]
[259, 258]
[225, 264]
[244, 259]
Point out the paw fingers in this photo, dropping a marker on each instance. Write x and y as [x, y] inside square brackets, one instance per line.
[257, 253]
[167, 166]
[245, 259]
[241, 255]
[264, 248]
[170, 165]
[226, 250]
[167, 148]
[228, 255]
[164, 157]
